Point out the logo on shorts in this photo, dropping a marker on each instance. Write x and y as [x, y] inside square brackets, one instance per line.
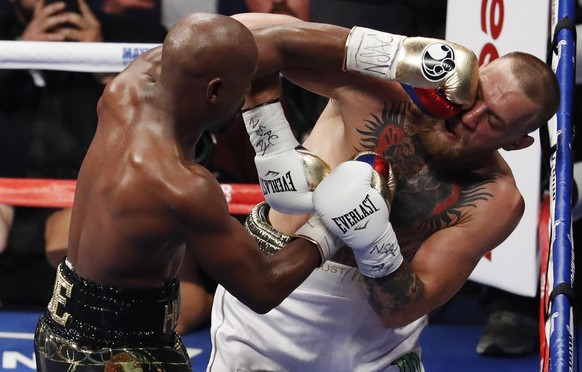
[438, 59]
[62, 292]
[408, 363]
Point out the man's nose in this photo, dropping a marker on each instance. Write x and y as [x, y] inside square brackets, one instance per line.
[472, 116]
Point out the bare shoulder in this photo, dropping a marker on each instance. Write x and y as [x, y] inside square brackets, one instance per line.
[198, 199]
[130, 86]
[506, 192]
[497, 214]
[142, 70]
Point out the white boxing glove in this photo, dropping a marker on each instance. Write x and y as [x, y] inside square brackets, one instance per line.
[288, 173]
[358, 214]
[450, 71]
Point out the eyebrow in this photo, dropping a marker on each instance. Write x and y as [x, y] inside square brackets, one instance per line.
[489, 110]
[479, 88]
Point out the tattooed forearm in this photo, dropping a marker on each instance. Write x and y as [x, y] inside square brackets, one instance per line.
[392, 294]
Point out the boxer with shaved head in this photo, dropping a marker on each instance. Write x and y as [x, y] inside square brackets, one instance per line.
[141, 202]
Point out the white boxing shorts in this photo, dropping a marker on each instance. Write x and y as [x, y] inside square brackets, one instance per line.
[324, 325]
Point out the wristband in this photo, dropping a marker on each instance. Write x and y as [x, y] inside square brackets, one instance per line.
[372, 52]
[268, 129]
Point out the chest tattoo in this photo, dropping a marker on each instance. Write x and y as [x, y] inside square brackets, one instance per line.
[427, 198]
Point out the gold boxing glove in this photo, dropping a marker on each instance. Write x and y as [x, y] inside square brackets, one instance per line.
[449, 68]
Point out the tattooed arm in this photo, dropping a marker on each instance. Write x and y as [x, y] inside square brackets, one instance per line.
[446, 258]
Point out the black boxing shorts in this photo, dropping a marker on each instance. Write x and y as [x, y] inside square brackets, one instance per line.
[91, 327]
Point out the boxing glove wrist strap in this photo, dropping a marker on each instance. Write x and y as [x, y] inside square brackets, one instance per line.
[315, 231]
[372, 52]
[269, 239]
[381, 258]
[268, 129]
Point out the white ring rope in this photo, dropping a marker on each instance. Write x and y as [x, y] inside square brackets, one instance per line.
[69, 56]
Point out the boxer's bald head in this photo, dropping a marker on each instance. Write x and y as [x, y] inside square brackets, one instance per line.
[204, 43]
[208, 61]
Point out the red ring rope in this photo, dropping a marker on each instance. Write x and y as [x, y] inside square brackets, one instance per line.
[50, 193]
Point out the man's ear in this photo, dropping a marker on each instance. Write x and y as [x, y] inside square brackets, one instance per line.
[520, 143]
[213, 90]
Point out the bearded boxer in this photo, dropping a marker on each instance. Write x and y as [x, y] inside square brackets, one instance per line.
[455, 200]
[141, 203]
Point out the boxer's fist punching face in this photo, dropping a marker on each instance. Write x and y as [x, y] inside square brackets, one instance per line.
[501, 117]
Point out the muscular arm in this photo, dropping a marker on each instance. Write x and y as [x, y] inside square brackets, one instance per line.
[302, 51]
[232, 258]
[444, 261]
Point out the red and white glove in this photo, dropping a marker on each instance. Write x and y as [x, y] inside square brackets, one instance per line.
[440, 76]
[288, 173]
[358, 214]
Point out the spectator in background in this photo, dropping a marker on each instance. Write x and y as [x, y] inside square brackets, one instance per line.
[145, 10]
[120, 6]
[230, 7]
[408, 17]
[296, 8]
[48, 119]
[167, 12]
[173, 10]
[6, 218]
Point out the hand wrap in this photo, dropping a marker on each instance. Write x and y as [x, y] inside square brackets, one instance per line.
[288, 173]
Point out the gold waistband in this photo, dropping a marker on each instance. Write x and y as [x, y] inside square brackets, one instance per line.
[270, 240]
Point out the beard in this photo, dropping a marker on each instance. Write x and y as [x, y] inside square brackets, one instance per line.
[443, 152]
[439, 149]
[450, 155]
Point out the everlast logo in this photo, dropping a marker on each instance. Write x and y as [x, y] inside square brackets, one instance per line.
[279, 184]
[348, 220]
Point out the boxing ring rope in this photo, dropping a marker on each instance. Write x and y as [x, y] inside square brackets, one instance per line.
[67, 56]
[84, 57]
[50, 193]
[557, 343]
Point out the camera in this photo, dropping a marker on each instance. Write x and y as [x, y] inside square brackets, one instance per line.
[71, 5]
